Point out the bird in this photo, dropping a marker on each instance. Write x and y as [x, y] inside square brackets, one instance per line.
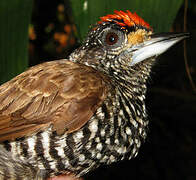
[71, 116]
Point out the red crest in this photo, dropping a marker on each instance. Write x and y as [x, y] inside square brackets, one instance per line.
[125, 19]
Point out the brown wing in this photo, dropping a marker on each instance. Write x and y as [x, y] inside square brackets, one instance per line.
[59, 93]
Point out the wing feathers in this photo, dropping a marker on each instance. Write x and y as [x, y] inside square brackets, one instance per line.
[58, 93]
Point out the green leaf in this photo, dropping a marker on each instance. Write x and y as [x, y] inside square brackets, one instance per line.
[14, 19]
[158, 13]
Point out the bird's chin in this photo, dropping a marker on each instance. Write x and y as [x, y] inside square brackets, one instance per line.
[156, 45]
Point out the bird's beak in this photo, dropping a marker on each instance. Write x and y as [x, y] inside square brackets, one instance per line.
[156, 45]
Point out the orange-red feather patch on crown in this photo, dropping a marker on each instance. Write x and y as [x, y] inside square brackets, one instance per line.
[125, 19]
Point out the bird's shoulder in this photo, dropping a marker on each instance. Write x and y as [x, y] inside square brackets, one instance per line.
[60, 93]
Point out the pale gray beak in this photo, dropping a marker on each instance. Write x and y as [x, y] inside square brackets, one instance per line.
[157, 45]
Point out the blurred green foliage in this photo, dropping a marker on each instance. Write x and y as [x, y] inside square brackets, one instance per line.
[14, 19]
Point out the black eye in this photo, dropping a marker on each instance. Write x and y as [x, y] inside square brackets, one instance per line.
[111, 38]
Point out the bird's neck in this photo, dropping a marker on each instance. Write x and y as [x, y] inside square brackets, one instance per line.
[131, 87]
[132, 81]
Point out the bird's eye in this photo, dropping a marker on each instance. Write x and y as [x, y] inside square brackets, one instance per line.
[112, 38]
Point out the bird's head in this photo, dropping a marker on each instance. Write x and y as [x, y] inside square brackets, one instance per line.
[123, 41]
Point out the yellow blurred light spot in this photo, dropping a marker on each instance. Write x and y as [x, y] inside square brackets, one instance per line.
[57, 36]
[61, 8]
[63, 40]
[32, 35]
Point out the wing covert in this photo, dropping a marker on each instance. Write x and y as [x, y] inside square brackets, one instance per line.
[59, 93]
